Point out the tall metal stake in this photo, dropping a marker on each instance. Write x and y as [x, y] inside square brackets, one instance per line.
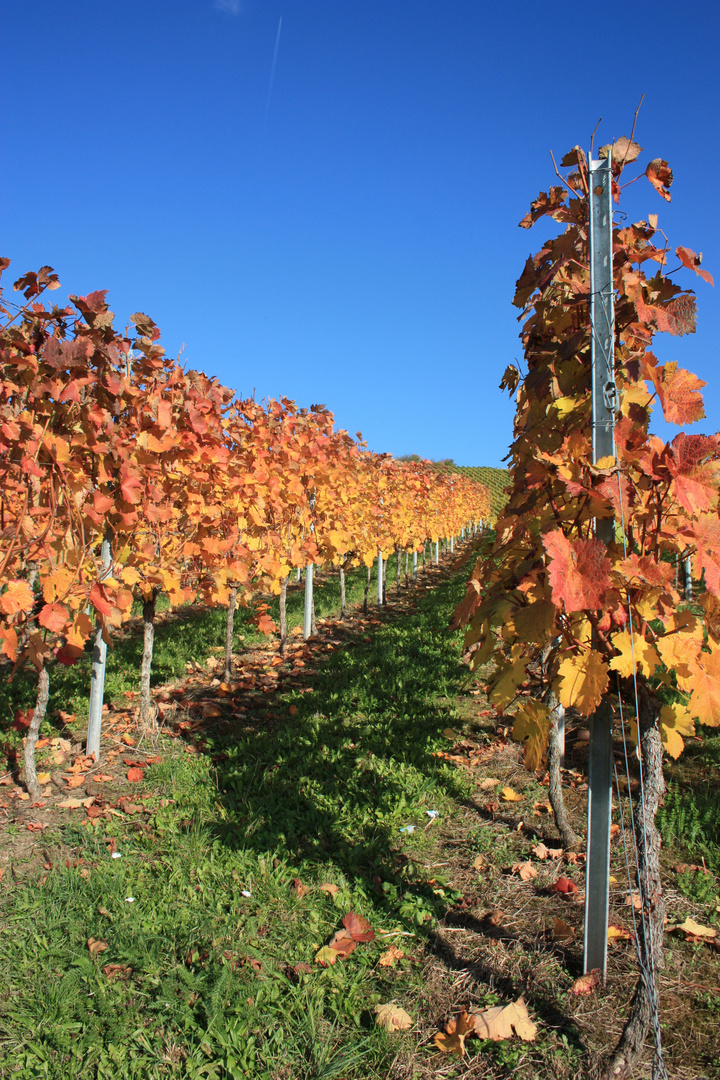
[97, 679]
[604, 404]
[380, 578]
[307, 612]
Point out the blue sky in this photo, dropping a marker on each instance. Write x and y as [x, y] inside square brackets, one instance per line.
[351, 237]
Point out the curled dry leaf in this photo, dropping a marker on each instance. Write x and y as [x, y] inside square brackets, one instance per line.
[331, 890]
[586, 983]
[564, 886]
[452, 1040]
[542, 808]
[525, 871]
[298, 887]
[489, 782]
[500, 1021]
[392, 1018]
[96, 945]
[117, 970]
[542, 852]
[390, 957]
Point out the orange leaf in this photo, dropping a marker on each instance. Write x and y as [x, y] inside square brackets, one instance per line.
[134, 775]
[18, 596]
[358, 927]
[586, 983]
[579, 571]
[54, 617]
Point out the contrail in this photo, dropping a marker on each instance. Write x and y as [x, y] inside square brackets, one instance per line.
[272, 71]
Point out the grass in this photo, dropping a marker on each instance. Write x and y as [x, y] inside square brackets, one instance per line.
[214, 912]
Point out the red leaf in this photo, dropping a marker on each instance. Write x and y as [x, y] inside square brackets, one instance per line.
[692, 261]
[99, 600]
[135, 775]
[564, 885]
[54, 617]
[358, 928]
[579, 571]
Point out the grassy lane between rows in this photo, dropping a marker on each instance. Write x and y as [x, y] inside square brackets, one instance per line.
[170, 927]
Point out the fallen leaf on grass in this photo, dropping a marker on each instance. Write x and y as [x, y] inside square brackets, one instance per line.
[390, 956]
[525, 870]
[127, 739]
[293, 710]
[331, 890]
[495, 917]
[542, 808]
[633, 900]
[498, 1022]
[508, 795]
[564, 885]
[452, 1040]
[103, 778]
[358, 927]
[562, 932]
[75, 804]
[479, 862]
[543, 852]
[43, 778]
[586, 983]
[619, 933]
[37, 826]
[95, 946]
[694, 929]
[450, 734]
[211, 711]
[392, 1018]
[128, 807]
[326, 955]
[134, 775]
[75, 781]
[489, 782]
[298, 888]
[114, 970]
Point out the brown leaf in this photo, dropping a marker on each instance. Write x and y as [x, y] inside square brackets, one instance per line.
[525, 870]
[358, 927]
[95, 946]
[331, 890]
[660, 176]
[542, 808]
[342, 943]
[298, 887]
[76, 781]
[103, 778]
[586, 983]
[479, 862]
[695, 929]
[392, 1018]
[211, 711]
[562, 932]
[498, 1022]
[452, 1040]
[390, 957]
[489, 782]
[114, 970]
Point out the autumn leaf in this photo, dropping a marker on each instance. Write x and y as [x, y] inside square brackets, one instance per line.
[561, 931]
[532, 728]
[452, 1040]
[525, 871]
[695, 929]
[692, 261]
[113, 971]
[298, 888]
[342, 943]
[624, 151]
[54, 617]
[618, 933]
[500, 1021]
[585, 984]
[674, 722]
[509, 795]
[579, 571]
[583, 679]
[331, 890]
[326, 955]
[95, 946]
[390, 957]
[392, 1018]
[17, 597]
[660, 176]
[489, 782]
[358, 927]
[43, 778]
[134, 775]
[565, 886]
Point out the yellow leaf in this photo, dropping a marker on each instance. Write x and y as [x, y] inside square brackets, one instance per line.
[618, 933]
[675, 721]
[43, 778]
[633, 647]
[326, 955]
[532, 728]
[506, 681]
[508, 795]
[18, 596]
[392, 1018]
[452, 1040]
[583, 681]
[696, 929]
[705, 700]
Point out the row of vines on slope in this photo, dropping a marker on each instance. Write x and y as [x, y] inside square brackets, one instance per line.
[565, 618]
[200, 494]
